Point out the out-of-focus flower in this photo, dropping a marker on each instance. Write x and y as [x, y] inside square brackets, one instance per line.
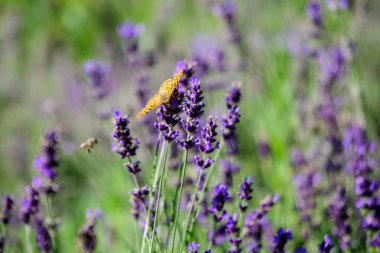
[219, 197]
[306, 190]
[129, 30]
[7, 206]
[313, 11]
[334, 5]
[43, 239]
[300, 250]
[97, 74]
[263, 149]
[29, 205]
[325, 246]
[47, 161]
[338, 212]
[255, 224]
[281, 239]
[229, 169]
[193, 247]
[87, 234]
[245, 193]
[233, 232]
[227, 10]
[297, 158]
[139, 200]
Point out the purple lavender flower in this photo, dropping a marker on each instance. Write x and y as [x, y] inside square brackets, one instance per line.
[334, 5]
[325, 246]
[139, 200]
[313, 11]
[306, 191]
[255, 224]
[208, 133]
[126, 144]
[297, 158]
[43, 239]
[229, 169]
[233, 232]
[193, 247]
[29, 205]
[47, 161]
[87, 234]
[97, 74]
[375, 242]
[231, 119]
[300, 250]
[338, 212]
[129, 30]
[219, 197]
[6, 213]
[129, 33]
[245, 193]
[188, 72]
[194, 110]
[167, 119]
[281, 239]
[233, 95]
[263, 149]
[227, 10]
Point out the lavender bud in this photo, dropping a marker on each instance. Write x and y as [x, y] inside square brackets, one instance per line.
[7, 209]
[325, 246]
[281, 239]
[43, 239]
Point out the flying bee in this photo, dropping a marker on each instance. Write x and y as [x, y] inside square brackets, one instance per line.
[89, 144]
[163, 96]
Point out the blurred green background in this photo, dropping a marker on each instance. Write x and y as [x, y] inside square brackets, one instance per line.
[43, 44]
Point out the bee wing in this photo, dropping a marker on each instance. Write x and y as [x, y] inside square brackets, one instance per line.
[153, 103]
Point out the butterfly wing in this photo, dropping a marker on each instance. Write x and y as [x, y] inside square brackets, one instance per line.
[152, 104]
[167, 88]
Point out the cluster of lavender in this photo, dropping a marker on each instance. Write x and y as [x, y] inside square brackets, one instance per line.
[359, 153]
[228, 132]
[87, 234]
[5, 216]
[97, 74]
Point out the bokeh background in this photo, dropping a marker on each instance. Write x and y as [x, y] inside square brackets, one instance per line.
[43, 45]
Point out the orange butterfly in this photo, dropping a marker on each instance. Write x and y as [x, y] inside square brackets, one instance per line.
[163, 96]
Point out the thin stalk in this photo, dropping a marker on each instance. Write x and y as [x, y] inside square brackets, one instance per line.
[178, 202]
[52, 225]
[28, 244]
[191, 210]
[151, 196]
[158, 198]
[209, 174]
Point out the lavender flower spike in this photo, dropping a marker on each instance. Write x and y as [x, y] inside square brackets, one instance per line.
[47, 161]
[43, 239]
[313, 11]
[281, 239]
[97, 74]
[325, 246]
[87, 235]
[245, 193]
[29, 205]
[7, 209]
[220, 196]
[193, 247]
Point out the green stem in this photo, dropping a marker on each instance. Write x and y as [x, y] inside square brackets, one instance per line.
[158, 198]
[28, 244]
[178, 202]
[51, 223]
[190, 210]
[151, 197]
[205, 185]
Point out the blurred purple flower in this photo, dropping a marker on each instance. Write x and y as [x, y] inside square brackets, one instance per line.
[87, 234]
[47, 161]
[97, 74]
[227, 10]
[338, 213]
[263, 149]
[228, 170]
[281, 239]
[233, 232]
[29, 205]
[129, 30]
[313, 11]
[43, 239]
[193, 247]
[325, 246]
[245, 193]
[139, 200]
[219, 197]
[7, 206]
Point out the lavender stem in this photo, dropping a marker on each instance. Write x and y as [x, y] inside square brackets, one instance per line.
[178, 202]
[28, 244]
